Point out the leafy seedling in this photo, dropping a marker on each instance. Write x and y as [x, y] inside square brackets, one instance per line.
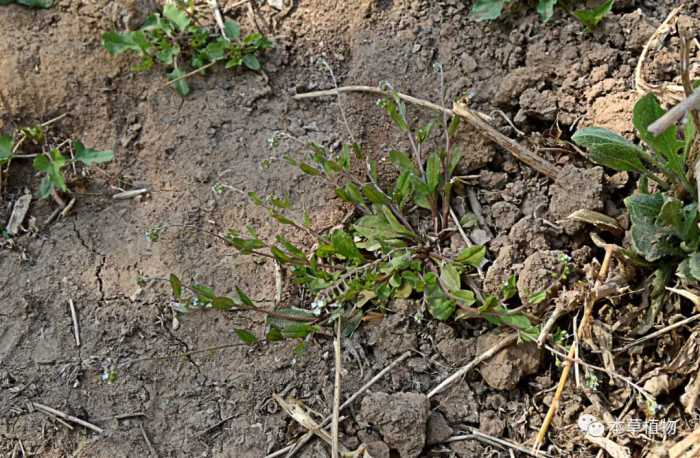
[51, 158]
[172, 40]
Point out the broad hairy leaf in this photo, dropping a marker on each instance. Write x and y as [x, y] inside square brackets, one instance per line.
[402, 161]
[252, 62]
[545, 8]
[439, 305]
[246, 337]
[592, 16]
[433, 170]
[176, 16]
[90, 156]
[610, 149]
[116, 42]
[299, 330]
[485, 10]
[181, 86]
[654, 242]
[344, 246]
[6, 146]
[176, 286]
[450, 277]
[232, 29]
[473, 255]
[52, 167]
[646, 111]
[223, 303]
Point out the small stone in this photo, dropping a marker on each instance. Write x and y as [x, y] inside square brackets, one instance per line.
[416, 48]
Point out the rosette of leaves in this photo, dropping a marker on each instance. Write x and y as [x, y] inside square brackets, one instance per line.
[172, 40]
[663, 211]
[485, 10]
[395, 249]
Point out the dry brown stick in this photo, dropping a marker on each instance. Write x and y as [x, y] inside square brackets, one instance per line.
[65, 416]
[187, 75]
[655, 334]
[460, 109]
[674, 114]
[506, 342]
[148, 441]
[640, 84]
[74, 317]
[214, 6]
[516, 149]
[306, 437]
[478, 435]
[588, 309]
[336, 392]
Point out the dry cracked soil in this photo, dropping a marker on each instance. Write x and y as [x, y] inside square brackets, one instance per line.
[218, 402]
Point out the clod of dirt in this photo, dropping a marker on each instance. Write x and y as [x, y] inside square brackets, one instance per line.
[501, 269]
[530, 235]
[541, 271]
[538, 104]
[637, 29]
[401, 419]
[390, 337]
[613, 112]
[504, 215]
[458, 404]
[456, 351]
[477, 151]
[130, 14]
[438, 429]
[576, 189]
[491, 424]
[467, 449]
[514, 84]
[492, 180]
[378, 449]
[507, 367]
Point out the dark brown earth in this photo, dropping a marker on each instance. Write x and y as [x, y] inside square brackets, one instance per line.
[218, 402]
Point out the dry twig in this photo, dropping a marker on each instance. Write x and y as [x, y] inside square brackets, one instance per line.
[478, 435]
[65, 416]
[336, 391]
[74, 317]
[476, 119]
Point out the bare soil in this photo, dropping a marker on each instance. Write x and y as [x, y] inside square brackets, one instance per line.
[218, 402]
